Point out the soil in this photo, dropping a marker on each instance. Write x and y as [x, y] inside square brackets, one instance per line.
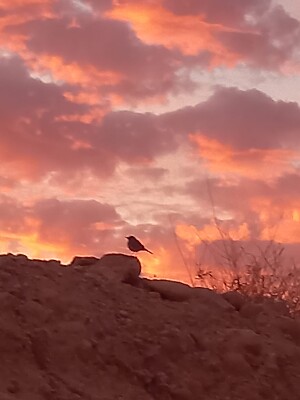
[94, 330]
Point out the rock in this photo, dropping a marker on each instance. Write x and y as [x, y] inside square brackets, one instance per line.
[263, 306]
[62, 336]
[118, 267]
[8, 260]
[83, 261]
[244, 340]
[208, 296]
[290, 327]
[22, 258]
[251, 310]
[169, 290]
[13, 387]
[6, 396]
[236, 364]
[52, 263]
[121, 267]
[274, 306]
[236, 299]
[39, 345]
[177, 291]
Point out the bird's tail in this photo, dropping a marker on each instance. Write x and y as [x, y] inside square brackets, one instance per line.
[148, 251]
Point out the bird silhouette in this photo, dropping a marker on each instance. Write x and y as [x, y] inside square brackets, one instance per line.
[135, 245]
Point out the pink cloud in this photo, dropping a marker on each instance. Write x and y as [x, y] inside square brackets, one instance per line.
[145, 51]
[81, 224]
[242, 119]
[37, 141]
[39, 135]
[252, 32]
[118, 52]
[149, 173]
[12, 215]
[261, 204]
[230, 11]
[273, 41]
[102, 5]
[33, 138]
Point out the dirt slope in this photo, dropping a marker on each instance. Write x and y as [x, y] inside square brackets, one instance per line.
[79, 332]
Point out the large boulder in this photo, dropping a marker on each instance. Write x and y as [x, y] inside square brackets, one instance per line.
[121, 267]
[114, 266]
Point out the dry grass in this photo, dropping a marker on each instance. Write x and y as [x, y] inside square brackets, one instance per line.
[265, 273]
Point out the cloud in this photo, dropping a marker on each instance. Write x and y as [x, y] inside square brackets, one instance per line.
[39, 136]
[12, 215]
[147, 50]
[119, 57]
[231, 12]
[245, 214]
[267, 207]
[59, 228]
[251, 31]
[155, 24]
[102, 5]
[135, 137]
[50, 228]
[252, 163]
[21, 94]
[149, 173]
[242, 119]
[272, 43]
[43, 134]
[78, 223]
[34, 138]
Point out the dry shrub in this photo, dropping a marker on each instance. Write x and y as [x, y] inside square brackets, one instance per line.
[259, 274]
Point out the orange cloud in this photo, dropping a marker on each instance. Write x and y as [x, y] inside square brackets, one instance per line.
[280, 222]
[16, 12]
[72, 73]
[11, 4]
[53, 68]
[190, 34]
[87, 78]
[30, 244]
[287, 231]
[210, 232]
[251, 163]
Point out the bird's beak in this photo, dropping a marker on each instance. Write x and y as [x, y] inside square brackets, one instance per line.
[127, 237]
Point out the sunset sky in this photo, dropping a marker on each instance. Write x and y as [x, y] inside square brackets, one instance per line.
[150, 117]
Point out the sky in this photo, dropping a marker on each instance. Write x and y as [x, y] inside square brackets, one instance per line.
[174, 121]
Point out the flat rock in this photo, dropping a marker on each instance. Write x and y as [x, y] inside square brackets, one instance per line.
[169, 290]
[83, 261]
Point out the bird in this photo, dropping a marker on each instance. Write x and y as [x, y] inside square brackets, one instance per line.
[135, 245]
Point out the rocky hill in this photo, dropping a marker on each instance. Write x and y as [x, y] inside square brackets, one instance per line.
[95, 330]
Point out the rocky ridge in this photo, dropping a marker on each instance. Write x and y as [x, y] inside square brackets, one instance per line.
[95, 330]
